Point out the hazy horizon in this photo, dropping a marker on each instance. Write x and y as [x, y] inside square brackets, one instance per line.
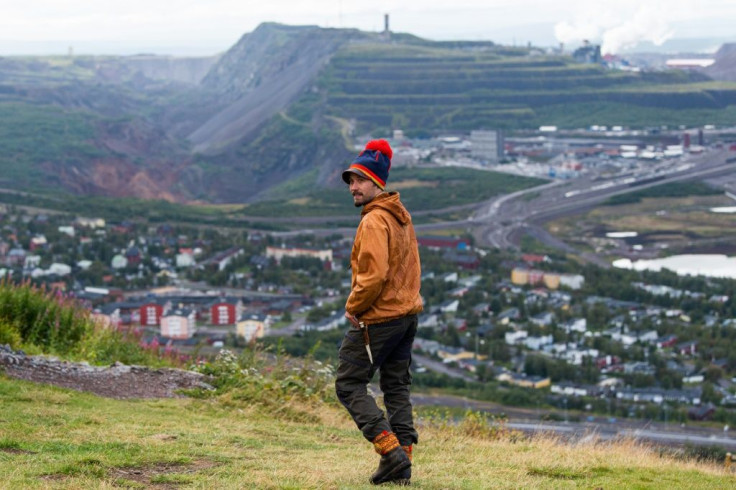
[195, 28]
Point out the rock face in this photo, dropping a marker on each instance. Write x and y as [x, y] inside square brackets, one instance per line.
[189, 71]
[724, 67]
[261, 75]
[178, 129]
[116, 381]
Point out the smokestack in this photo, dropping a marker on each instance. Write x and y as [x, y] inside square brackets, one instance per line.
[385, 23]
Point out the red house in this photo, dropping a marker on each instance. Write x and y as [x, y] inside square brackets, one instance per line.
[151, 314]
[133, 255]
[666, 341]
[225, 312]
[607, 361]
[687, 348]
[533, 258]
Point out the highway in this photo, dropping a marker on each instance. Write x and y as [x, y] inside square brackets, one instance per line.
[501, 221]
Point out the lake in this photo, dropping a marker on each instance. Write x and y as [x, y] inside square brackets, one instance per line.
[710, 265]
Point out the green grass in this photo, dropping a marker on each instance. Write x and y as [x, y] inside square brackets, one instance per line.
[31, 135]
[421, 189]
[58, 438]
[672, 189]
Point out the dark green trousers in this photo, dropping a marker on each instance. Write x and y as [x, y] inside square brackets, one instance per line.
[391, 344]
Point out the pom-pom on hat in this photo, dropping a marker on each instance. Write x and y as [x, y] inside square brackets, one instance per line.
[373, 163]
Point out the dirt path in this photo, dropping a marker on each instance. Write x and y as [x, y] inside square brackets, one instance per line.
[117, 381]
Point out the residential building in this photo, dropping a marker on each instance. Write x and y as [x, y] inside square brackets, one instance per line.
[536, 382]
[537, 343]
[515, 337]
[689, 348]
[278, 253]
[487, 146]
[151, 313]
[225, 311]
[253, 326]
[178, 324]
[107, 315]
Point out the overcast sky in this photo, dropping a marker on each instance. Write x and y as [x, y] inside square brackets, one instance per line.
[200, 27]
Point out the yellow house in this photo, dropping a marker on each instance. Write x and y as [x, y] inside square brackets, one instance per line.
[551, 280]
[519, 276]
[449, 354]
[536, 382]
[253, 326]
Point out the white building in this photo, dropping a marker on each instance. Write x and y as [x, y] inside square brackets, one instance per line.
[178, 324]
[279, 253]
[579, 325]
[572, 281]
[184, 260]
[119, 262]
[60, 269]
[487, 146]
[536, 343]
[575, 357]
[516, 337]
[67, 230]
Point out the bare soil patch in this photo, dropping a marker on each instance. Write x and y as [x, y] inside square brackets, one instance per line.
[15, 450]
[159, 475]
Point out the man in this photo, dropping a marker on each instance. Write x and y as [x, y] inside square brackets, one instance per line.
[382, 309]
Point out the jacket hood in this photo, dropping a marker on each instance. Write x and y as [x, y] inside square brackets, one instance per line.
[390, 202]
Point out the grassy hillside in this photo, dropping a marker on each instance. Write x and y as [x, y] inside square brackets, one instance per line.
[63, 439]
[431, 87]
[669, 219]
[31, 135]
[421, 189]
[267, 422]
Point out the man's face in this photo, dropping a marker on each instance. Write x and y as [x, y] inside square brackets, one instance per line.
[363, 190]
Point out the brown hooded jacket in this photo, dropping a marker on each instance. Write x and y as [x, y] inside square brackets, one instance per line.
[385, 263]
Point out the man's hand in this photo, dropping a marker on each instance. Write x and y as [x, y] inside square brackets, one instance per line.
[352, 319]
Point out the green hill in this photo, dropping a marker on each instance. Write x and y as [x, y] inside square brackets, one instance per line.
[423, 87]
[286, 102]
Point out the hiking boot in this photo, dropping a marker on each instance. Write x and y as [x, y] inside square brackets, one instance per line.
[404, 478]
[394, 459]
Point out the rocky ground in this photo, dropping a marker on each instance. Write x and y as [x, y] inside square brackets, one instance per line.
[116, 381]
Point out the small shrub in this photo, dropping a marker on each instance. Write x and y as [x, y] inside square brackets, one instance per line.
[47, 319]
[257, 378]
[42, 321]
[476, 424]
[9, 334]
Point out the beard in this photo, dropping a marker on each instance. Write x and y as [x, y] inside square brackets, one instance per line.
[360, 201]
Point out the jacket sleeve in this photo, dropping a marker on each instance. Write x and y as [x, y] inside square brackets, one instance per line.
[372, 265]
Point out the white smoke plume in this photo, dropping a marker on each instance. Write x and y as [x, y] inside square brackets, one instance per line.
[648, 24]
[625, 25]
[566, 32]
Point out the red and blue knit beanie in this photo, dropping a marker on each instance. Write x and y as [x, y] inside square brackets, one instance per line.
[373, 163]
